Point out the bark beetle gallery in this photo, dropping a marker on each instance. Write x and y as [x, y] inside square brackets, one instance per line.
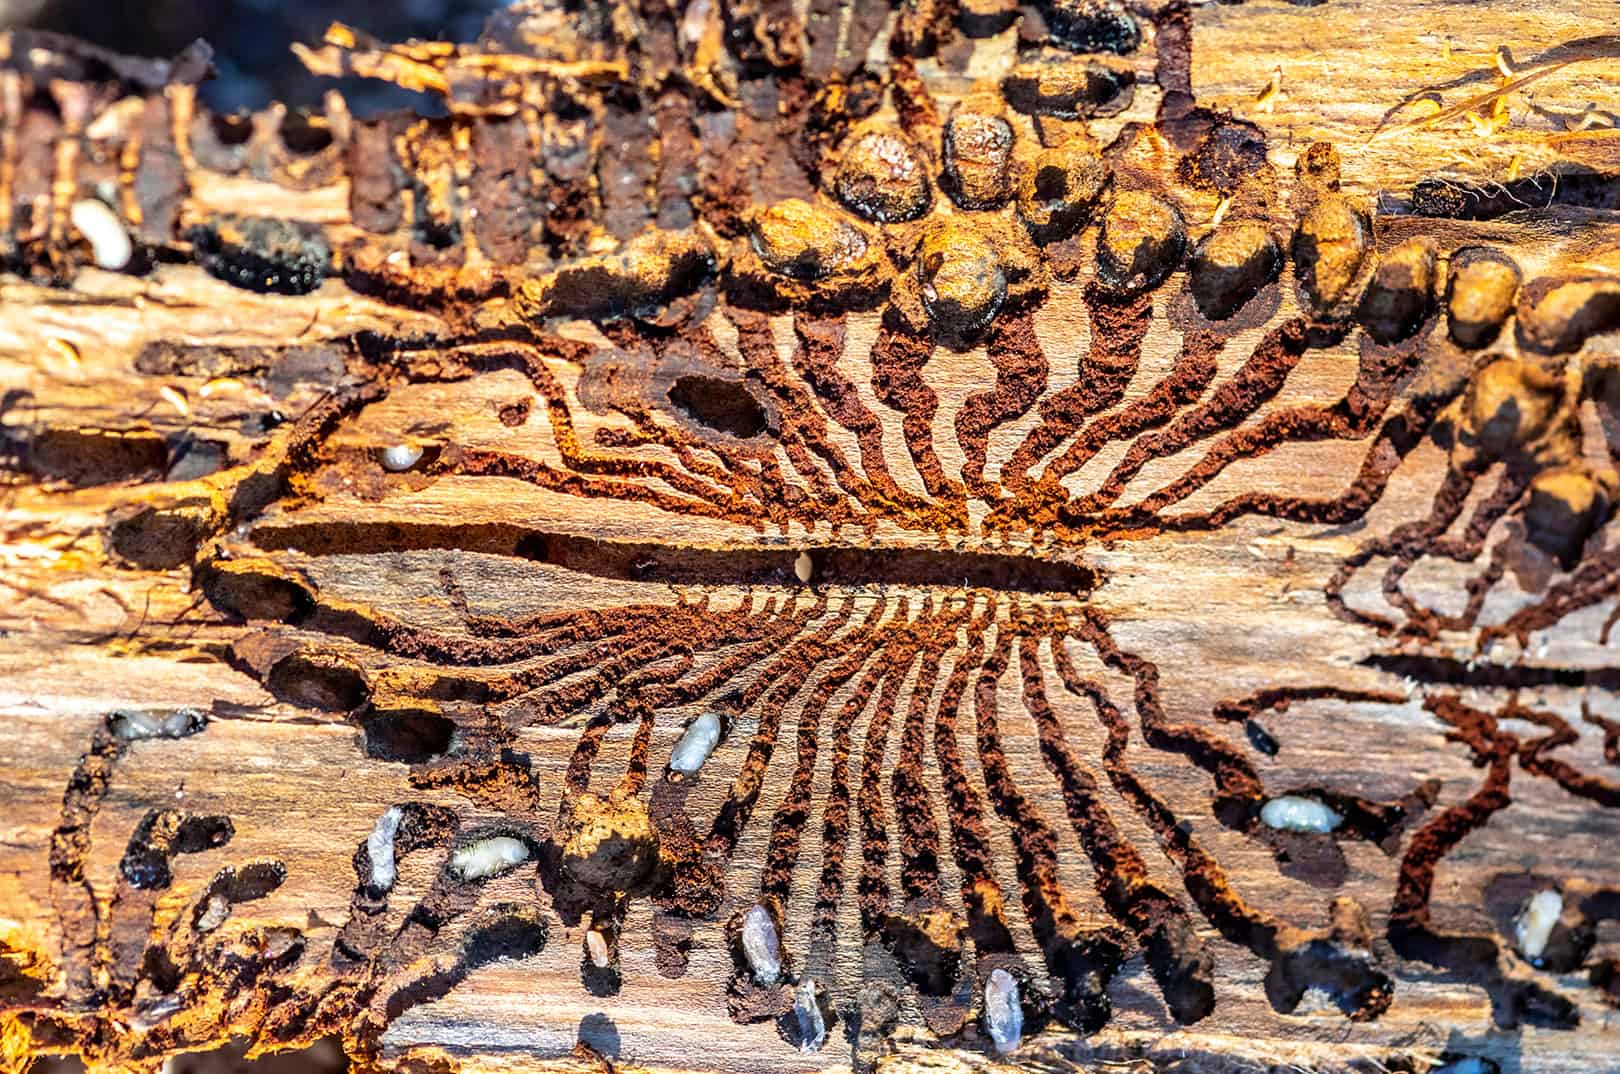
[868, 529]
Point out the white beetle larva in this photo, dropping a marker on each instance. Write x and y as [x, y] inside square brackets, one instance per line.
[106, 234]
[761, 946]
[400, 457]
[1535, 923]
[215, 913]
[597, 948]
[1003, 1011]
[1291, 813]
[380, 849]
[132, 725]
[488, 857]
[695, 745]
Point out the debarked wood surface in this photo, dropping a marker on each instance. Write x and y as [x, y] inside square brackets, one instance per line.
[518, 645]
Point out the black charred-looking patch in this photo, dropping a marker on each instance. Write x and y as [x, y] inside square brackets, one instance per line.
[1605, 977]
[261, 254]
[508, 931]
[256, 879]
[929, 952]
[245, 883]
[1338, 961]
[164, 833]
[230, 128]
[1091, 25]
[1359, 990]
[1580, 187]
[158, 967]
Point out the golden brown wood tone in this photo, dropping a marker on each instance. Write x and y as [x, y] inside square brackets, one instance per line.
[1129, 486]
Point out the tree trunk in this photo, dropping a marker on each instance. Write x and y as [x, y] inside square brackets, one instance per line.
[1072, 536]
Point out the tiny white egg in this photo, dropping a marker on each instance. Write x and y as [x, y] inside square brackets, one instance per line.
[398, 457]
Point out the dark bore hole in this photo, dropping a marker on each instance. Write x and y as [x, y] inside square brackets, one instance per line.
[158, 967]
[1051, 185]
[199, 833]
[255, 594]
[409, 738]
[257, 879]
[91, 456]
[304, 135]
[723, 405]
[233, 129]
[160, 539]
[315, 680]
[438, 236]
[516, 936]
